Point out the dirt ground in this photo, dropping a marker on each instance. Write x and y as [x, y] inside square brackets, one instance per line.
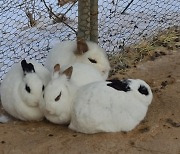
[159, 133]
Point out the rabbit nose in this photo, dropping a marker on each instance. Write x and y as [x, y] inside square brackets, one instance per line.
[35, 104]
[104, 71]
[50, 110]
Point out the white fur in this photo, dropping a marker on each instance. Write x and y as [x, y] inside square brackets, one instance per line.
[4, 119]
[100, 108]
[63, 53]
[16, 100]
[84, 74]
[59, 112]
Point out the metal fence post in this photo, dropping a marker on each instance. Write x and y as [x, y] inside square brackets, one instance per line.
[94, 20]
[84, 19]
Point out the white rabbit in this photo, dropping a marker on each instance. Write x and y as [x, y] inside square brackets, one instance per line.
[112, 106]
[60, 91]
[22, 89]
[69, 52]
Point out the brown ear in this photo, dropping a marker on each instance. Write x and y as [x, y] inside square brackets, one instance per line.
[57, 68]
[81, 47]
[68, 72]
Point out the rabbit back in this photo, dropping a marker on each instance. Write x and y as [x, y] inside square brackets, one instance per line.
[84, 74]
[100, 108]
[62, 53]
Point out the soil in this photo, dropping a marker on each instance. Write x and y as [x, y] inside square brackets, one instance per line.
[158, 133]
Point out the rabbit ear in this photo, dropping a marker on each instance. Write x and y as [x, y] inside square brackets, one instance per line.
[68, 72]
[27, 67]
[57, 68]
[82, 47]
[56, 71]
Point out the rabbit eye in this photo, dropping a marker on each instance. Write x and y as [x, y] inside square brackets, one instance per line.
[43, 88]
[92, 60]
[143, 90]
[58, 97]
[27, 88]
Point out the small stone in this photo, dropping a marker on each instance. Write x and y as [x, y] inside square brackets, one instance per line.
[50, 135]
[176, 39]
[164, 83]
[170, 47]
[144, 130]
[131, 143]
[164, 44]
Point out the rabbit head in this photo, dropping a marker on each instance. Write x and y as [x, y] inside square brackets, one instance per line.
[57, 96]
[141, 89]
[90, 53]
[31, 87]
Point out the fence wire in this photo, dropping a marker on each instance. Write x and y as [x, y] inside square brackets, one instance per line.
[29, 28]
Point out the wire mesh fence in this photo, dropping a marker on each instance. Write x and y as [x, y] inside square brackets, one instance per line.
[29, 28]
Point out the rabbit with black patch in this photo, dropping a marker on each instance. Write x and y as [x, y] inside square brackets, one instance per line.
[60, 91]
[22, 90]
[67, 53]
[111, 106]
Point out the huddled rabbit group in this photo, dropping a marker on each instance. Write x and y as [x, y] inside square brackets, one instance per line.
[72, 88]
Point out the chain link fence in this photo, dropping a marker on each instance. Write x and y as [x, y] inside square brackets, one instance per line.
[29, 28]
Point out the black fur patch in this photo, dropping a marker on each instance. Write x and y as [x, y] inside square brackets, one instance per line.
[43, 88]
[28, 88]
[92, 60]
[121, 85]
[143, 90]
[27, 67]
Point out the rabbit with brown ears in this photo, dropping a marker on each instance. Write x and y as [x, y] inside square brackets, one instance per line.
[60, 91]
[67, 53]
